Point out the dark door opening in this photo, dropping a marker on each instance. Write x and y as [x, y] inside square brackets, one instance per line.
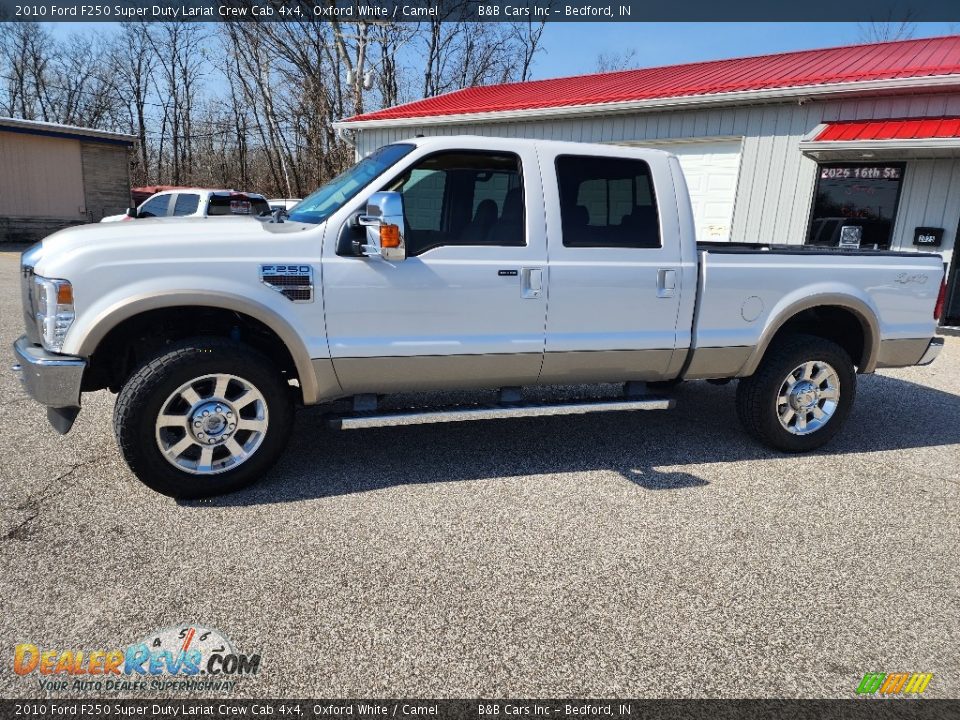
[951, 307]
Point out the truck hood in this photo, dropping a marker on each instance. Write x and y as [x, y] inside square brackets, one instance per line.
[154, 239]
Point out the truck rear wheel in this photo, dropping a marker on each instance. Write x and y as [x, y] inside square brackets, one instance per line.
[800, 394]
[205, 417]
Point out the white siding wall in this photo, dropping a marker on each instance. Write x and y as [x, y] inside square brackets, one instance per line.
[776, 182]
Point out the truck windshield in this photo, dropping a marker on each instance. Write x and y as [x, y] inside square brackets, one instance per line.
[321, 204]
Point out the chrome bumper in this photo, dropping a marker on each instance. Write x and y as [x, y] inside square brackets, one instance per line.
[51, 380]
[933, 349]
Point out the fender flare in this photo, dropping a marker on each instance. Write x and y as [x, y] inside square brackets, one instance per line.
[860, 309]
[138, 304]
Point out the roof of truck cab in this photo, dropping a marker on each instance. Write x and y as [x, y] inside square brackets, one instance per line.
[500, 144]
[215, 191]
[881, 67]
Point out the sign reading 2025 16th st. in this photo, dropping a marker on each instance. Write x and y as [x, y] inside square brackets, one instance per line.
[186, 657]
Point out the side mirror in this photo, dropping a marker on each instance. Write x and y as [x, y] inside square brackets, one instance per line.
[131, 212]
[385, 227]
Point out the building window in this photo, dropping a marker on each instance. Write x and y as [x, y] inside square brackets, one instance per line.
[855, 205]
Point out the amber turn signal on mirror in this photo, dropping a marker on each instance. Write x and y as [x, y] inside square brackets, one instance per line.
[389, 236]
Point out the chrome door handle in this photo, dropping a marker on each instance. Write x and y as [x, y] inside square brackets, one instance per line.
[666, 282]
[531, 283]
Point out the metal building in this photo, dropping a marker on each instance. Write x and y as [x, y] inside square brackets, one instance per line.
[53, 176]
[856, 145]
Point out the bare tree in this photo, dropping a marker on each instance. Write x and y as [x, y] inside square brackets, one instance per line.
[527, 36]
[133, 65]
[177, 50]
[616, 60]
[261, 117]
[889, 29]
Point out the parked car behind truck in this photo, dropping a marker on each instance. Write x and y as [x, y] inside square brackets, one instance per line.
[196, 203]
[453, 263]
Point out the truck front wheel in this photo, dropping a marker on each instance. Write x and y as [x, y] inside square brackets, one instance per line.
[204, 417]
[800, 394]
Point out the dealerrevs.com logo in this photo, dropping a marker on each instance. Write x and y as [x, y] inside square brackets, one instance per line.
[893, 684]
[185, 657]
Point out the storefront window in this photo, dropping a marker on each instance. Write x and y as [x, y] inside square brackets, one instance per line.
[855, 205]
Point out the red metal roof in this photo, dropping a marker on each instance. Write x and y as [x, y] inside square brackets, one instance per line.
[908, 129]
[878, 61]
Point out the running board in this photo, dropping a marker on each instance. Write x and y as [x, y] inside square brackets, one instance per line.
[464, 413]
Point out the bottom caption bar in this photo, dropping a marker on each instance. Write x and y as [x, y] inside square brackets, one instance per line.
[853, 709]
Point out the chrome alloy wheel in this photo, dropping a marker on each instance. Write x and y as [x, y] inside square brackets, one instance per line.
[808, 397]
[211, 424]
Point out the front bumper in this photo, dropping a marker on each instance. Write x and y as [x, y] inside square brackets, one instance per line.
[51, 380]
[933, 349]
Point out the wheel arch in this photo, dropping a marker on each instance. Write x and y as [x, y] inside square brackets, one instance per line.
[129, 309]
[851, 323]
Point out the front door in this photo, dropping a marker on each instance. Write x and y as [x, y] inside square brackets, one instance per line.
[467, 307]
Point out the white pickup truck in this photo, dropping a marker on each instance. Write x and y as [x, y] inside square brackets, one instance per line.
[452, 263]
[195, 203]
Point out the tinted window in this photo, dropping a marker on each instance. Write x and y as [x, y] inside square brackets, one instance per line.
[463, 199]
[155, 206]
[236, 204]
[186, 204]
[855, 202]
[607, 202]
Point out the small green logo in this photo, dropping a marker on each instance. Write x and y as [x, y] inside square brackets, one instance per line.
[894, 683]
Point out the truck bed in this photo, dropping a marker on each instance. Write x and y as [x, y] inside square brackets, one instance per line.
[719, 247]
[746, 291]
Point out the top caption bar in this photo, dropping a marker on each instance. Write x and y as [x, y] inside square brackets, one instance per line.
[536, 11]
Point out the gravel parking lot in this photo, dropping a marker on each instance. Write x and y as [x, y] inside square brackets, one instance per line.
[643, 555]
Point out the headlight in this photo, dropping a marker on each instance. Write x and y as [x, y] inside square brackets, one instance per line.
[54, 311]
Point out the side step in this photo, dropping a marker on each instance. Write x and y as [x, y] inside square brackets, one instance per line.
[463, 413]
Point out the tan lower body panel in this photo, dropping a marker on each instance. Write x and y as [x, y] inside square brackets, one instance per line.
[435, 372]
[328, 386]
[597, 366]
[719, 362]
[901, 353]
[464, 372]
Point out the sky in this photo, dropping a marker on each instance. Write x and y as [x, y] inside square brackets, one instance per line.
[572, 48]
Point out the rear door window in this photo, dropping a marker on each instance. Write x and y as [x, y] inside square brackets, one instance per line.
[186, 204]
[237, 204]
[607, 202]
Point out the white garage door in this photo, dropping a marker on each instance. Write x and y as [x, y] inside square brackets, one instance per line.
[711, 170]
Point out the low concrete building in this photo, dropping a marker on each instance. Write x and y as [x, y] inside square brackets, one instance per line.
[52, 176]
[858, 146]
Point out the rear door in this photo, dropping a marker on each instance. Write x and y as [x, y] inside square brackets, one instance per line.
[185, 204]
[616, 276]
[467, 307]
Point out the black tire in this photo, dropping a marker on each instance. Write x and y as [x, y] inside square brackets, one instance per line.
[757, 395]
[148, 390]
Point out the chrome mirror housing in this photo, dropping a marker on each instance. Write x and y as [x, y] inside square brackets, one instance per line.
[385, 227]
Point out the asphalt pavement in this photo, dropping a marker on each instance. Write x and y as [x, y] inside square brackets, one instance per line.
[659, 554]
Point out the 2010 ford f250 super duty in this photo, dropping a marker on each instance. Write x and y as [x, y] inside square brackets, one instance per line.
[452, 263]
